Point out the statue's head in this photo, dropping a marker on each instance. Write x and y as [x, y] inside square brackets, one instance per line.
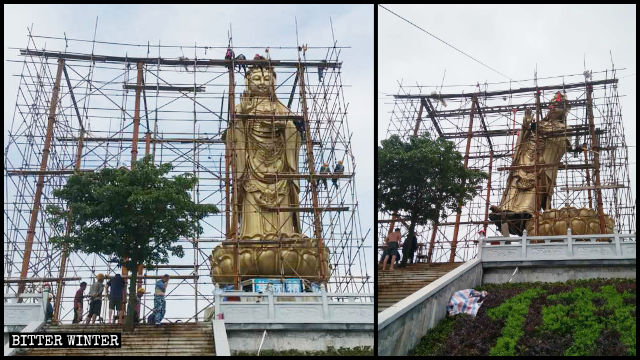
[559, 107]
[559, 100]
[260, 81]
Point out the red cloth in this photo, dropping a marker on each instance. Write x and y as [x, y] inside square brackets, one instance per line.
[558, 96]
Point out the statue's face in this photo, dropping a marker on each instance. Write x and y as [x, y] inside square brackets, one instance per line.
[260, 82]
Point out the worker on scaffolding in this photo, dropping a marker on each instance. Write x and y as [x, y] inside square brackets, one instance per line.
[324, 169]
[299, 123]
[77, 303]
[242, 66]
[409, 249]
[338, 170]
[159, 301]
[46, 288]
[95, 296]
[391, 251]
[140, 294]
[114, 290]
[49, 314]
[230, 54]
[321, 71]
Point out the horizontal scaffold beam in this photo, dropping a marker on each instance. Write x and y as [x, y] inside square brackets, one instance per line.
[506, 92]
[165, 140]
[502, 109]
[157, 276]
[582, 188]
[268, 117]
[560, 166]
[304, 209]
[157, 140]
[40, 279]
[164, 88]
[273, 176]
[164, 61]
[272, 243]
[571, 131]
[45, 172]
[384, 221]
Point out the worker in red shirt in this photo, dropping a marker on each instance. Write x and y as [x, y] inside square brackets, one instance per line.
[77, 303]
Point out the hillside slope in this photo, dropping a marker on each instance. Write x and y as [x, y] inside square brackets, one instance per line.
[585, 317]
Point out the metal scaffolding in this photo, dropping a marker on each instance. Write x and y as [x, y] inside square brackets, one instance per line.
[484, 125]
[82, 111]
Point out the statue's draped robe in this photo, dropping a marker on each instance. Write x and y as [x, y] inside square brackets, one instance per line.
[265, 146]
[519, 198]
[519, 195]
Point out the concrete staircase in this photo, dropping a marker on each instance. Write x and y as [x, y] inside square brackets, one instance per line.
[182, 339]
[396, 285]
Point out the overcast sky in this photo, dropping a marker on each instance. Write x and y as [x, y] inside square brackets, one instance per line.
[512, 39]
[253, 25]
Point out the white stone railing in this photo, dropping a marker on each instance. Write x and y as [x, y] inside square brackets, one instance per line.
[563, 247]
[251, 307]
[22, 317]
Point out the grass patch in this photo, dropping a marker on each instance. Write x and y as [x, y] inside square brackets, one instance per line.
[434, 342]
[513, 311]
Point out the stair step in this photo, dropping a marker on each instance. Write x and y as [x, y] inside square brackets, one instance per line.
[393, 286]
[190, 339]
[113, 353]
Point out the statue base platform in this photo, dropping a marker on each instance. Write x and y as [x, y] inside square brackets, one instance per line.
[302, 321]
[552, 222]
[581, 221]
[299, 259]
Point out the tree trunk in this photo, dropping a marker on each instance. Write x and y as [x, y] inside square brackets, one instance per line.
[133, 279]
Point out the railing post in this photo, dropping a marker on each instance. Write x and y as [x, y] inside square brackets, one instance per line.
[325, 306]
[524, 244]
[570, 242]
[217, 305]
[616, 238]
[272, 306]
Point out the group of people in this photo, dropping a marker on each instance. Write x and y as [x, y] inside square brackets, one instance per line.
[337, 170]
[394, 242]
[115, 291]
[230, 55]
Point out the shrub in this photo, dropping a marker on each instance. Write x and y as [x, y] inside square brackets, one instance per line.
[513, 311]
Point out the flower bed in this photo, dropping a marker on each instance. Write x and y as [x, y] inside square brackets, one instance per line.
[584, 317]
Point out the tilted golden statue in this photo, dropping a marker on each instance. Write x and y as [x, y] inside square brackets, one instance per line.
[518, 203]
[266, 142]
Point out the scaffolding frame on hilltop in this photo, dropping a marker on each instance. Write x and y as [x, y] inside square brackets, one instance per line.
[83, 111]
[484, 125]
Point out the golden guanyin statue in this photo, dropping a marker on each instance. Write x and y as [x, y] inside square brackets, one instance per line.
[519, 200]
[265, 141]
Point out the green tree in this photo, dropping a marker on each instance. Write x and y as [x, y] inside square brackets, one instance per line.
[136, 214]
[421, 179]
